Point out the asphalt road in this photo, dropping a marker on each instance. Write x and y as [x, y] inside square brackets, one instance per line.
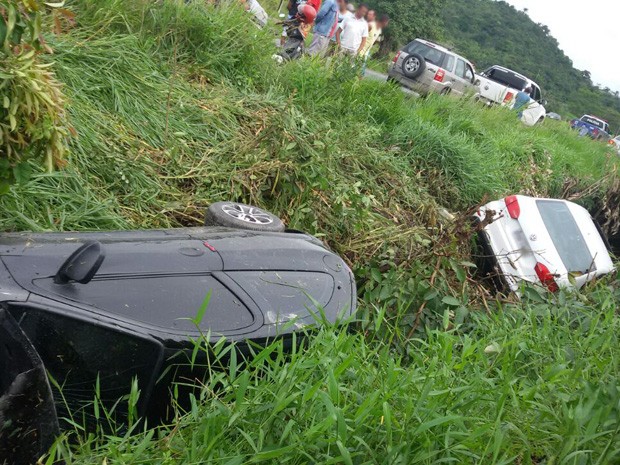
[375, 76]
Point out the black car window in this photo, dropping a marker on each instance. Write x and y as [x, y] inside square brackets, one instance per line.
[594, 122]
[168, 302]
[536, 93]
[427, 52]
[566, 236]
[77, 352]
[506, 78]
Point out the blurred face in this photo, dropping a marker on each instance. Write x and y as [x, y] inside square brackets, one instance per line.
[370, 16]
[385, 23]
[342, 4]
[362, 11]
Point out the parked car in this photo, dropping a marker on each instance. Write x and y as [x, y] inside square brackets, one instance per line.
[500, 86]
[615, 142]
[554, 116]
[554, 243]
[427, 67]
[592, 126]
[98, 309]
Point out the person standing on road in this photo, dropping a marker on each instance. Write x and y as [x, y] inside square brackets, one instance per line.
[521, 100]
[375, 29]
[371, 19]
[343, 13]
[352, 34]
[323, 25]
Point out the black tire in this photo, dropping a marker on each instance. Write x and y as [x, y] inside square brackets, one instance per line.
[240, 216]
[413, 66]
[446, 91]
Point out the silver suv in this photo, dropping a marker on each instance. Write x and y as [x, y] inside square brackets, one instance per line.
[427, 67]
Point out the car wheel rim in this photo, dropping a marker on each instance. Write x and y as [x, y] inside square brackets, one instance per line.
[412, 65]
[247, 214]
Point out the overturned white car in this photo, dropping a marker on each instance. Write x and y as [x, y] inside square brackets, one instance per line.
[551, 242]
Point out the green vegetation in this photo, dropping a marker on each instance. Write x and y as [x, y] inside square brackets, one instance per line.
[170, 116]
[409, 19]
[32, 121]
[491, 32]
[536, 384]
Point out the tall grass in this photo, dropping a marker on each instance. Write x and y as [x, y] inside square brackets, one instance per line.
[175, 107]
[535, 386]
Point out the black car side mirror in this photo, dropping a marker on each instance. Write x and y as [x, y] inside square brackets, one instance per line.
[82, 265]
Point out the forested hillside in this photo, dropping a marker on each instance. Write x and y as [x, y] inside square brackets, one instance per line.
[492, 32]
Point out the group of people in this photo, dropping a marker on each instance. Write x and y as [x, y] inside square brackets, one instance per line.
[339, 27]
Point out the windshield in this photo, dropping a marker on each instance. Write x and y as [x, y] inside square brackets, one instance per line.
[506, 78]
[594, 122]
[566, 236]
[430, 54]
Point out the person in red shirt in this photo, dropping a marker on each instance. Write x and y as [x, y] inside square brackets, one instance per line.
[293, 5]
[316, 4]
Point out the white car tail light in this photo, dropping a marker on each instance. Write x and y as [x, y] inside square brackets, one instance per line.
[546, 277]
[512, 205]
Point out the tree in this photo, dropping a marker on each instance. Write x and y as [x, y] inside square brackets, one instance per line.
[409, 19]
[492, 32]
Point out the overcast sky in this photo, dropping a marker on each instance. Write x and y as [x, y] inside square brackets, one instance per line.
[588, 31]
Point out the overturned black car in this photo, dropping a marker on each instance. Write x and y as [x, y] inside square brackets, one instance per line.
[102, 308]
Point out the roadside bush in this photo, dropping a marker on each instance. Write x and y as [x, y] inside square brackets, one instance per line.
[32, 123]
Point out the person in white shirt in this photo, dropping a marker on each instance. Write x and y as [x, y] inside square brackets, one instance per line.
[353, 32]
[344, 11]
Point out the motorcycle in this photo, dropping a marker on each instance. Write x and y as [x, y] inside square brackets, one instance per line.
[296, 30]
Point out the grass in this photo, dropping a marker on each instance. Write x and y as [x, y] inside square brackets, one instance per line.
[175, 107]
[535, 386]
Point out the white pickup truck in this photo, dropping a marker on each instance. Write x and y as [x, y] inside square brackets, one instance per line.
[499, 85]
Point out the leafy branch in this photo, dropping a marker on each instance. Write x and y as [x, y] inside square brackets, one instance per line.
[32, 116]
